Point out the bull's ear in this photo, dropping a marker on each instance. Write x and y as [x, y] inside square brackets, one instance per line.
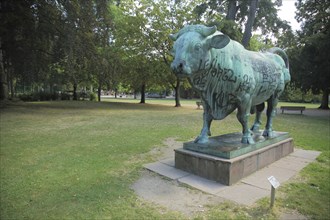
[218, 41]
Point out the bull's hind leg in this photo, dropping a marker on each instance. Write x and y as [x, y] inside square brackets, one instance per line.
[243, 114]
[271, 111]
[257, 122]
[205, 132]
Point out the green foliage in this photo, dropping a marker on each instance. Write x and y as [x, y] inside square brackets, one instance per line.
[238, 12]
[310, 55]
[49, 42]
[27, 39]
[66, 96]
[47, 96]
[92, 96]
[257, 44]
[39, 96]
[100, 43]
[293, 94]
[229, 28]
[267, 19]
[287, 40]
[310, 64]
[143, 40]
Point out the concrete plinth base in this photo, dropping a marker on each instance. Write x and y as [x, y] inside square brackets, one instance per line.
[230, 171]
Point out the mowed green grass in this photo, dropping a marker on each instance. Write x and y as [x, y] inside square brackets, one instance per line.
[78, 159]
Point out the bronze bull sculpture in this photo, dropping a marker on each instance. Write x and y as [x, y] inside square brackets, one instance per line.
[230, 77]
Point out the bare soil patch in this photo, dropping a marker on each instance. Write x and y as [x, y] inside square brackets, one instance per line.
[169, 193]
[172, 195]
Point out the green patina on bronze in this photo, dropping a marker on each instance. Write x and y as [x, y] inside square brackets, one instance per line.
[229, 145]
[230, 77]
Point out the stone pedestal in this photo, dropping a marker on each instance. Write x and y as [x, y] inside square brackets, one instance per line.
[225, 160]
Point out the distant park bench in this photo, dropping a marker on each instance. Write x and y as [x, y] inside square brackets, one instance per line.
[199, 104]
[293, 108]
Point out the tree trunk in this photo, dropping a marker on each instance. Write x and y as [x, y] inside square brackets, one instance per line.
[99, 91]
[232, 10]
[177, 93]
[325, 99]
[143, 94]
[3, 87]
[51, 88]
[3, 79]
[11, 86]
[75, 96]
[249, 24]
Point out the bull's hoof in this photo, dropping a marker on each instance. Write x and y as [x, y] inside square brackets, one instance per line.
[268, 133]
[247, 140]
[201, 140]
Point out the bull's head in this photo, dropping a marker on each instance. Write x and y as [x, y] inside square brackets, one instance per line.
[192, 47]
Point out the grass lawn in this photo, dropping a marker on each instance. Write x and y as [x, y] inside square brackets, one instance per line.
[78, 159]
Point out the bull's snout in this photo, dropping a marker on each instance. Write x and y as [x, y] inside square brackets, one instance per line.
[177, 65]
[180, 68]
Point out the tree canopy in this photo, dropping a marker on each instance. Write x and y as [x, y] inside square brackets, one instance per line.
[310, 55]
[106, 44]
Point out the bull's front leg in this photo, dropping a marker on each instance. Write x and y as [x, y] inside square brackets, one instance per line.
[205, 132]
[243, 114]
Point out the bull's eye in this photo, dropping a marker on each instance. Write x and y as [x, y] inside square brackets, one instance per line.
[198, 46]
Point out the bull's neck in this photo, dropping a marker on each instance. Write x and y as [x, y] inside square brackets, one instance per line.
[199, 79]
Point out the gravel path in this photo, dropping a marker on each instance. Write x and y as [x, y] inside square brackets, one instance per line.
[308, 112]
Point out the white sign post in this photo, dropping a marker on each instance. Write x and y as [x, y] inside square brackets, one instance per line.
[274, 182]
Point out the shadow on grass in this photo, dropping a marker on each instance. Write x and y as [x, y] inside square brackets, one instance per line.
[83, 106]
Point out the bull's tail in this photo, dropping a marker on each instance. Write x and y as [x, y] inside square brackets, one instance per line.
[284, 56]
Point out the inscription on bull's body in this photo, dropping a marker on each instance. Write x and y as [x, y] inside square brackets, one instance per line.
[229, 77]
[244, 86]
[216, 73]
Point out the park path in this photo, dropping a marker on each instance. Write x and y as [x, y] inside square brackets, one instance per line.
[313, 112]
[317, 112]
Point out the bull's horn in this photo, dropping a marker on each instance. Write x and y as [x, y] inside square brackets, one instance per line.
[207, 31]
[203, 30]
[173, 37]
